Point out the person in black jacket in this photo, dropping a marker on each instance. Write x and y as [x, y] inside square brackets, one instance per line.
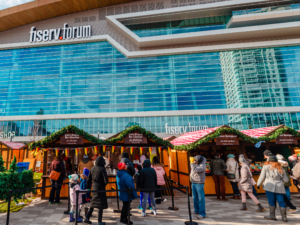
[125, 159]
[148, 180]
[99, 178]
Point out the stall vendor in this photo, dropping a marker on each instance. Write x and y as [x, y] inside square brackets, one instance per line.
[115, 159]
[85, 162]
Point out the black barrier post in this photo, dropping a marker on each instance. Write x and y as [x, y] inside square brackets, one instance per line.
[173, 207]
[68, 211]
[129, 197]
[8, 207]
[77, 211]
[189, 207]
[117, 210]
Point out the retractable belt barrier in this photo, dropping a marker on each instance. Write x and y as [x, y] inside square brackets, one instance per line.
[180, 187]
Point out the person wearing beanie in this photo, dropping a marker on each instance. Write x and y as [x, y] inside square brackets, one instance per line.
[245, 184]
[197, 176]
[273, 178]
[217, 167]
[125, 181]
[74, 186]
[83, 185]
[125, 159]
[98, 177]
[233, 175]
[287, 197]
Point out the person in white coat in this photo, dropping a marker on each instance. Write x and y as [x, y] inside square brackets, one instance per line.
[233, 175]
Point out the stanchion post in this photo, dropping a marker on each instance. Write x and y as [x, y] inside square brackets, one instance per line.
[77, 211]
[8, 207]
[129, 197]
[189, 207]
[68, 211]
[117, 210]
[173, 207]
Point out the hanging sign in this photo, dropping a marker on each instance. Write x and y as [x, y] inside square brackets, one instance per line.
[227, 139]
[135, 138]
[71, 139]
[286, 139]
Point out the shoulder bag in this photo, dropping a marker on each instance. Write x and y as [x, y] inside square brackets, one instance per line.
[231, 176]
[54, 175]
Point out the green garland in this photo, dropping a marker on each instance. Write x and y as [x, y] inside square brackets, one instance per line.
[148, 134]
[282, 130]
[56, 135]
[215, 134]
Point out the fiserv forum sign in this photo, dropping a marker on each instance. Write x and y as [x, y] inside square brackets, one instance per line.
[60, 34]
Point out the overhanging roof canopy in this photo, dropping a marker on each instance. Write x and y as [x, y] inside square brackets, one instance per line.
[39, 10]
[12, 145]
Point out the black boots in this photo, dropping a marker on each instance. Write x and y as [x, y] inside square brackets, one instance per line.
[244, 206]
[86, 211]
[283, 214]
[272, 214]
[260, 208]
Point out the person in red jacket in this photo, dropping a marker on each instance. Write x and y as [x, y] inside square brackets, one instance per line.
[160, 173]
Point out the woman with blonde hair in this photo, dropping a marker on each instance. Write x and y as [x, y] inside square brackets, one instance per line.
[274, 178]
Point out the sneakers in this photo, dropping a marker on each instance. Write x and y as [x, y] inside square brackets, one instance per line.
[200, 217]
[292, 210]
[72, 219]
[143, 214]
[154, 212]
[51, 203]
[140, 207]
[150, 207]
[58, 203]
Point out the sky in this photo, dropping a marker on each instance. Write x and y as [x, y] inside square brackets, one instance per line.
[9, 3]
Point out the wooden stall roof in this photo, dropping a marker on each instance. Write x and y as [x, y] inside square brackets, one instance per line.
[12, 145]
[270, 133]
[56, 136]
[151, 136]
[192, 140]
[170, 138]
[39, 10]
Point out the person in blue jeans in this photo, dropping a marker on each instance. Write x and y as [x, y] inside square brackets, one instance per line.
[197, 175]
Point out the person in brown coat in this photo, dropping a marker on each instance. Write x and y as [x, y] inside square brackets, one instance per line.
[85, 163]
[245, 184]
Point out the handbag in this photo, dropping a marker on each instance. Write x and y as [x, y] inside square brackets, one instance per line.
[252, 180]
[54, 175]
[231, 175]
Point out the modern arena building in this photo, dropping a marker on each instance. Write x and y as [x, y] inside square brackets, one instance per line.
[171, 66]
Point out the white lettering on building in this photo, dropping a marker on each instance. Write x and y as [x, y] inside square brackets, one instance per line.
[60, 34]
[183, 129]
[7, 134]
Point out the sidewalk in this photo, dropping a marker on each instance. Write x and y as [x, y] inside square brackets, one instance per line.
[218, 212]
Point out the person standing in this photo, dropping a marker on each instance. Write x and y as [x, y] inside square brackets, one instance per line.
[129, 165]
[198, 179]
[125, 181]
[274, 178]
[57, 165]
[98, 177]
[160, 173]
[245, 184]
[233, 171]
[217, 166]
[148, 180]
[85, 163]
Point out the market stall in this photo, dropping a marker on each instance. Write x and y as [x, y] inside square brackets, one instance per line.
[223, 139]
[77, 147]
[279, 140]
[10, 149]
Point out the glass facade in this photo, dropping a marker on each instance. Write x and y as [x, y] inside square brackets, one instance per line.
[180, 26]
[153, 124]
[97, 78]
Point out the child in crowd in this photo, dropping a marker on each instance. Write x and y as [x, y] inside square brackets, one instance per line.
[83, 185]
[137, 179]
[74, 186]
[125, 181]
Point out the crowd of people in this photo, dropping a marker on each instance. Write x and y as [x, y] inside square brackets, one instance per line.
[274, 178]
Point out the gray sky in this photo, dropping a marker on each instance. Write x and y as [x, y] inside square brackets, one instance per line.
[9, 3]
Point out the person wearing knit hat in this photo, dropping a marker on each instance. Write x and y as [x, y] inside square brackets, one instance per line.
[233, 175]
[266, 154]
[273, 178]
[287, 197]
[245, 184]
[83, 185]
[74, 186]
[121, 166]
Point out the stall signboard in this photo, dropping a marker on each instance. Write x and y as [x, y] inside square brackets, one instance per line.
[227, 139]
[286, 139]
[135, 138]
[71, 139]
